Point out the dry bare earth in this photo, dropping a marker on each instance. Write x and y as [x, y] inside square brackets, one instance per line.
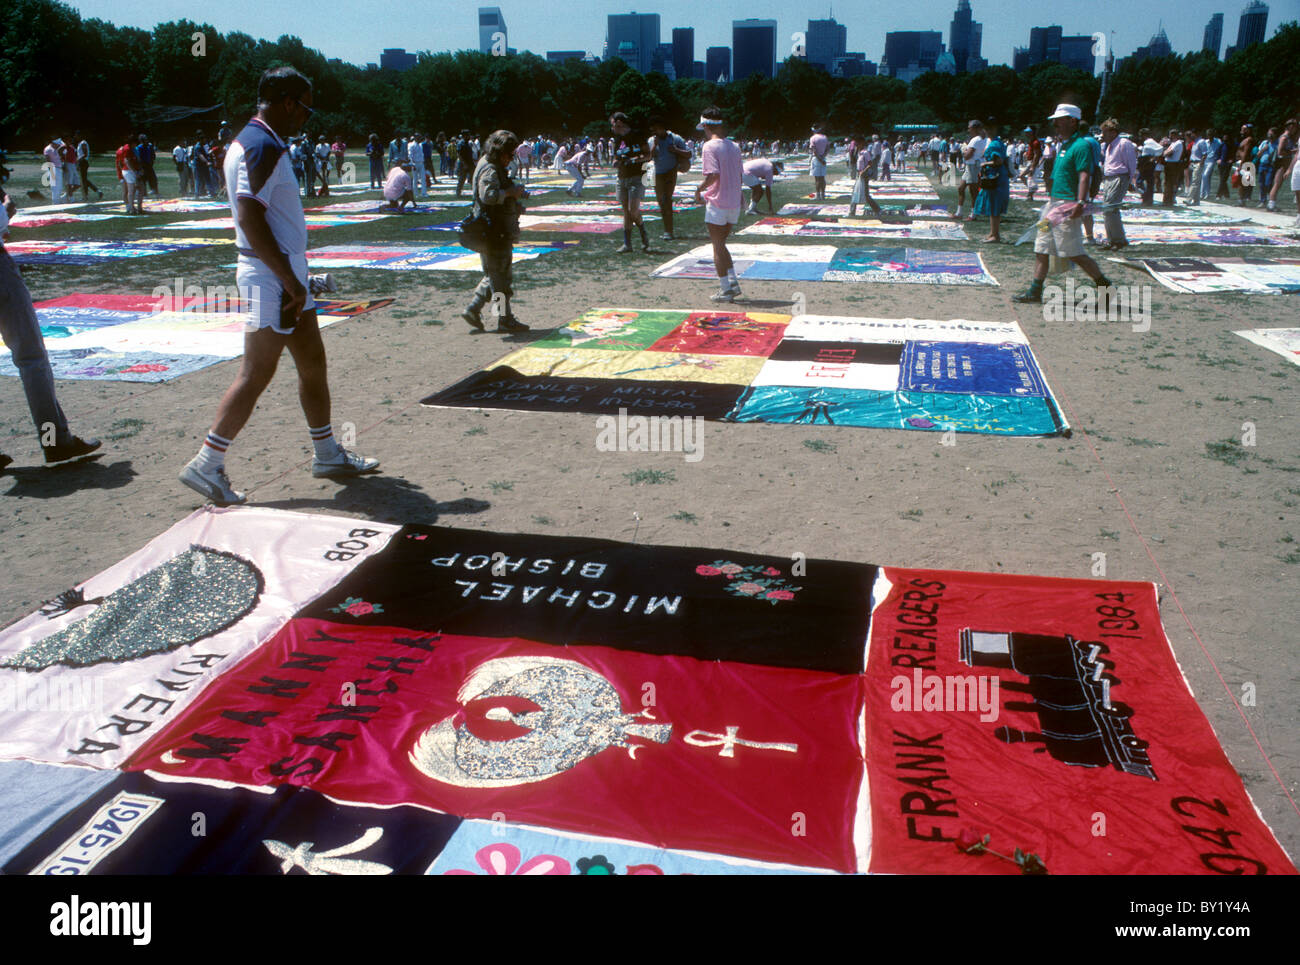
[1154, 476]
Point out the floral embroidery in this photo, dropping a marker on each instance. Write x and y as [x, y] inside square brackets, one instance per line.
[357, 607]
[505, 859]
[597, 864]
[755, 582]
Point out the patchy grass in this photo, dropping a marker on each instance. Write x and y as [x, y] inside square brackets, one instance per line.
[1227, 452]
[1168, 388]
[501, 486]
[476, 431]
[650, 477]
[684, 517]
[543, 521]
[1108, 534]
[1145, 442]
[125, 429]
[819, 445]
[912, 514]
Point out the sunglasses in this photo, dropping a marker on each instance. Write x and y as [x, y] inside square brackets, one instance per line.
[310, 110]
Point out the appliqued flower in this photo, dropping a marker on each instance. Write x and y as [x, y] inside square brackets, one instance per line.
[503, 858]
[597, 864]
[357, 607]
[755, 582]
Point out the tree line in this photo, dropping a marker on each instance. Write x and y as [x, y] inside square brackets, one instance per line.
[60, 73]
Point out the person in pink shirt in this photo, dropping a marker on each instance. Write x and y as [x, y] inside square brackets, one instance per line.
[397, 188]
[721, 191]
[759, 174]
[574, 166]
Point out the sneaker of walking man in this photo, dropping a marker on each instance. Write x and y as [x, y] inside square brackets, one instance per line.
[271, 237]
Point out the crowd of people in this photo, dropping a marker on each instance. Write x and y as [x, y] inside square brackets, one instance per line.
[269, 166]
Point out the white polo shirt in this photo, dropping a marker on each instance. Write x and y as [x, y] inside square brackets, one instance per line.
[257, 167]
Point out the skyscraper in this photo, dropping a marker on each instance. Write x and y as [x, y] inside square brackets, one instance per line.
[911, 52]
[1044, 45]
[396, 58]
[1213, 35]
[1253, 24]
[683, 51]
[634, 37]
[717, 64]
[753, 43]
[965, 36]
[490, 22]
[824, 41]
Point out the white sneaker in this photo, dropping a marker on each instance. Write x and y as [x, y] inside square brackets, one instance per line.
[722, 296]
[346, 463]
[751, 210]
[211, 485]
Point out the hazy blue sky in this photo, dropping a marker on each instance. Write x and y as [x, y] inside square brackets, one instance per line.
[357, 32]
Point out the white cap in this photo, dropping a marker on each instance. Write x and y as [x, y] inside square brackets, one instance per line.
[1067, 110]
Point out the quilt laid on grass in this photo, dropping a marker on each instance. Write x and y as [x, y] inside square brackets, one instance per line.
[954, 375]
[88, 253]
[598, 224]
[1203, 275]
[418, 257]
[1284, 341]
[343, 697]
[825, 210]
[776, 262]
[1203, 234]
[139, 338]
[855, 228]
[314, 221]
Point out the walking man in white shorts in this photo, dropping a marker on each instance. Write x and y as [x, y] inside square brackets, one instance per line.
[271, 236]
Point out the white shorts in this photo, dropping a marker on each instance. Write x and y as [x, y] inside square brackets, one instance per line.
[263, 289]
[817, 169]
[1295, 177]
[970, 172]
[128, 176]
[753, 181]
[720, 216]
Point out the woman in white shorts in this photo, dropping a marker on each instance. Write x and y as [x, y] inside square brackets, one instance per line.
[721, 191]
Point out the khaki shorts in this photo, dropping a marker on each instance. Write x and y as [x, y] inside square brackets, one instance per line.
[1064, 239]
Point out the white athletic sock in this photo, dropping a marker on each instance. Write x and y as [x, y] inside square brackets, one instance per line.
[327, 448]
[212, 454]
[731, 278]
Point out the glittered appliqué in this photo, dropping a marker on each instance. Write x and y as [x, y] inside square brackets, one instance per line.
[526, 719]
[192, 596]
[755, 582]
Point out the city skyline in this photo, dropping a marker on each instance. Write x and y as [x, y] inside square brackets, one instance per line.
[339, 31]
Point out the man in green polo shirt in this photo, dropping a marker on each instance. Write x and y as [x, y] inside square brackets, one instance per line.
[1070, 188]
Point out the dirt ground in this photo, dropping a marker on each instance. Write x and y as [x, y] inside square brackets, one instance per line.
[1155, 475]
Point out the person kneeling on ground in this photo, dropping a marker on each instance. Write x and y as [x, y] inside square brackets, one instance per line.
[759, 174]
[398, 188]
[496, 198]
